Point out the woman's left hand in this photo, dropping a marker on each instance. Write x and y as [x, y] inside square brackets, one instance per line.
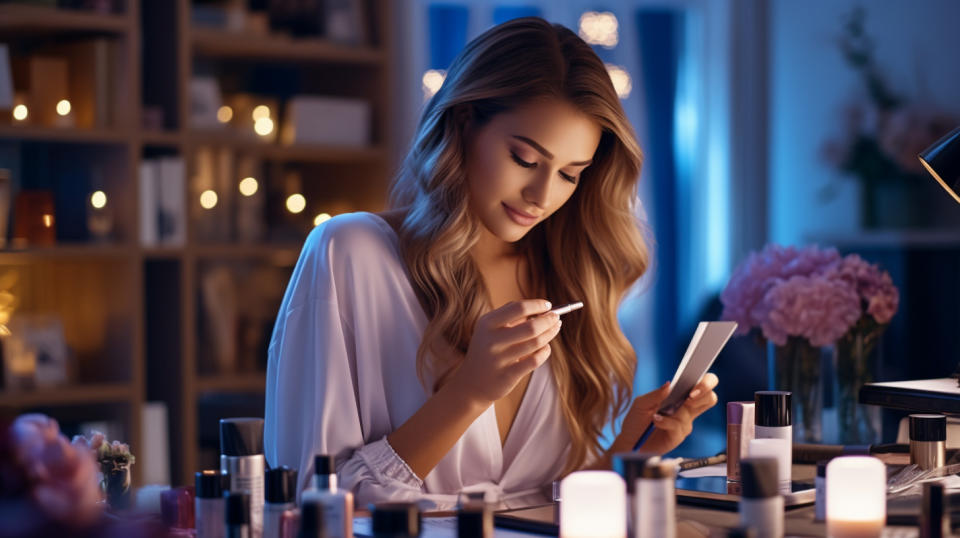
[669, 431]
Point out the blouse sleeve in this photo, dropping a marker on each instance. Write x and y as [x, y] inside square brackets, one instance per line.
[311, 393]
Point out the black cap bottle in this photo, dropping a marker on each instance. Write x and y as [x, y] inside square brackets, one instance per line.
[928, 440]
[209, 506]
[237, 517]
[396, 520]
[761, 506]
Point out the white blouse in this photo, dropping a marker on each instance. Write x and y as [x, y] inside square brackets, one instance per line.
[342, 375]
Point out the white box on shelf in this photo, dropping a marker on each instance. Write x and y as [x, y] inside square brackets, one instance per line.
[149, 202]
[155, 444]
[173, 213]
[336, 121]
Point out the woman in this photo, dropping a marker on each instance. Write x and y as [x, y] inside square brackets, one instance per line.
[410, 343]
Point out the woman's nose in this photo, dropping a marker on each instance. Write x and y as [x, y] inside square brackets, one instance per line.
[537, 192]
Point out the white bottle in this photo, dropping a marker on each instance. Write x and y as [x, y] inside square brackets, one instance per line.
[761, 505]
[656, 500]
[337, 504]
[209, 505]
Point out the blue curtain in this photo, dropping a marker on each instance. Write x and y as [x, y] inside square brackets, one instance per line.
[447, 25]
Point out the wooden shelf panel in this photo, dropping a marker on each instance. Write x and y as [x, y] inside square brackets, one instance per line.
[280, 152]
[161, 138]
[27, 18]
[286, 253]
[223, 44]
[67, 395]
[254, 382]
[114, 251]
[53, 134]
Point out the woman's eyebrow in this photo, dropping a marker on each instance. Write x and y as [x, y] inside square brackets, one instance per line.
[544, 151]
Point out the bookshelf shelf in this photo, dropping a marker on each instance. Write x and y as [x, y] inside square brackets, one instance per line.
[67, 395]
[222, 44]
[161, 138]
[280, 152]
[67, 251]
[280, 253]
[254, 382]
[26, 18]
[66, 135]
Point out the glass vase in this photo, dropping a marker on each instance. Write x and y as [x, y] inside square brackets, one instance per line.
[796, 367]
[855, 363]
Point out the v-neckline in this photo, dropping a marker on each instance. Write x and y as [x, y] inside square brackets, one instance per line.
[500, 451]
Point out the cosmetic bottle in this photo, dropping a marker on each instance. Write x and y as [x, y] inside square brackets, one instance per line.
[337, 504]
[772, 415]
[928, 441]
[629, 465]
[237, 517]
[209, 504]
[778, 449]
[820, 484]
[281, 496]
[177, 507]
[739, 433]
[311, 520]
[475, 520]
[761, 505]
[933, 523]
[656, 501]
[241, 457]
[396, 520]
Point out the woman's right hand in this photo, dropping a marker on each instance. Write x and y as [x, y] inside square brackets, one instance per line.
[507, 344]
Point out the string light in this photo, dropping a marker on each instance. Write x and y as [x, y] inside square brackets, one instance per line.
[208, 199]
[224, 114]
[296, 203]
[261, 111]
[621, 80]
[63, 107]
[432, 81]
[321, 218]
[20, 112]
[98, 199]
[47, 220]
[599, 28]
[248, 186]
[263, 126]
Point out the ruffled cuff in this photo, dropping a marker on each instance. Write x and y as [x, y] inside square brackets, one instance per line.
[387, 466]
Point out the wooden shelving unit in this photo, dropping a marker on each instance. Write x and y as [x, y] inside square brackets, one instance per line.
[157, 289]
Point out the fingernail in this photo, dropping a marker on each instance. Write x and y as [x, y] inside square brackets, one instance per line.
[695, 393]
[559, 323]
[547, 305]
[657, 417]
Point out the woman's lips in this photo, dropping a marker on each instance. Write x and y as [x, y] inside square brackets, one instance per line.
[520, 218]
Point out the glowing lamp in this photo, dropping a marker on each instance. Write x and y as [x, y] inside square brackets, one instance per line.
[856, 497]
[594, 505]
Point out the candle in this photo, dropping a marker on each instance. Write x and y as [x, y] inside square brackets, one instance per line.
[856, 497]
[594, 505]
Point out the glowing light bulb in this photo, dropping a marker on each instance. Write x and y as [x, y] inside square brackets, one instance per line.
[224, 114]
[432, 81]
[248, 186]
[321, 218]
[208, 199]
[599, 28]
[621, 80]
[63, 107]
[20, 112]
[47, 220]
[98, 199]
[261, 111]
[263, 126]
[296, 203]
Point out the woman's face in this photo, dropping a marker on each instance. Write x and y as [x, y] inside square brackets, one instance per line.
[524, 164]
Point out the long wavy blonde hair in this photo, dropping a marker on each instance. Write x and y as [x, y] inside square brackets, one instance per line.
[589, 250]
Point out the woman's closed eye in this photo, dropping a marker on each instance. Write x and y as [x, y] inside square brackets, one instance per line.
[526, 164]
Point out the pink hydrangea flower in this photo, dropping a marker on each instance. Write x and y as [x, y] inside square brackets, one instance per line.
[814, 307]
[743, 297]
[875, 287]
[63, 476]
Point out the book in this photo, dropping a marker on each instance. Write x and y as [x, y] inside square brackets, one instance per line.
[172, 207]
[149, 202]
